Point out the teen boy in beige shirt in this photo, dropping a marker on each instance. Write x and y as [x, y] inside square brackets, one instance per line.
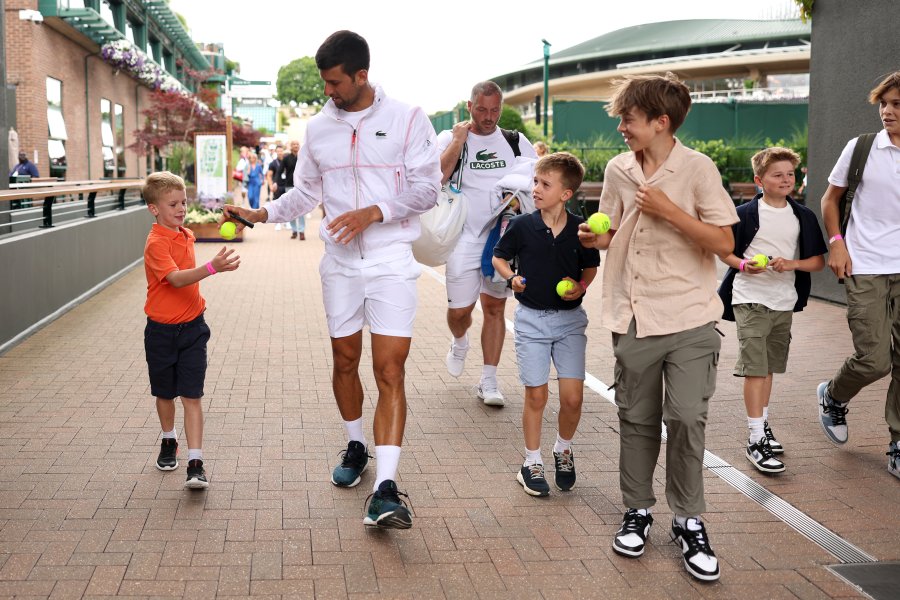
[670, 217]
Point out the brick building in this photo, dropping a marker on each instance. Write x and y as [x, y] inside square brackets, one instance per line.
[75, 112]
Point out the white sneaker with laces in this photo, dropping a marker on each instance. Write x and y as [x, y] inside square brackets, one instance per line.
[893, 454]
[456, 359]
[489, 392]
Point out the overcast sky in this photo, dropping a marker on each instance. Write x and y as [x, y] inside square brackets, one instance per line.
[430, 56]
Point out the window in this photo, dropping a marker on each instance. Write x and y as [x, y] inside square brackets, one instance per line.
[107, 140]
[129, 33]
[120, 140]
[56, 125]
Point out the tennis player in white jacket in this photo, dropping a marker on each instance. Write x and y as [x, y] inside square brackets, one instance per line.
[373, 163]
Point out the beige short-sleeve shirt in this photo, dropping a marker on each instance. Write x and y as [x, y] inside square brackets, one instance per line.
[653, 272]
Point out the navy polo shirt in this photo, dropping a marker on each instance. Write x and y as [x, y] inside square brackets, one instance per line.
[545, 260]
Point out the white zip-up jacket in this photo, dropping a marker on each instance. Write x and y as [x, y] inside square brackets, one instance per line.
[389, 160]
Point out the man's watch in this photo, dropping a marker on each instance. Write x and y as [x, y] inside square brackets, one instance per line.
[509, 281]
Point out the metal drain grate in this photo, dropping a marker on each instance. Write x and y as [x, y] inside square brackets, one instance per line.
[881, 581]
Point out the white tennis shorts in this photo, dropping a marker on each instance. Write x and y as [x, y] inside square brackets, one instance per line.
[464, 278]
[382, 296]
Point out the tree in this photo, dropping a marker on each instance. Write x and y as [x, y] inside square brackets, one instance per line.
[174, 117]
[299, 81]
[511, 119]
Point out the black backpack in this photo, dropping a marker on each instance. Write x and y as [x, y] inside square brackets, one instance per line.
[854, 176]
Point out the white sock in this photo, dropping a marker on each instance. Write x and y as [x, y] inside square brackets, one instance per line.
[355, 431]
[462, 342]
[765, 413]
[533, 457]
[170, 435]
[387, 460]
[489, 373]
[682, 521]
[756, 428]
[561, 445]
[195, 454]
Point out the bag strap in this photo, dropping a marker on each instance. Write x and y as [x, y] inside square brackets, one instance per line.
[854, 176]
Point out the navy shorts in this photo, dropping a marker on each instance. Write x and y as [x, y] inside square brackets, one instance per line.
[176, 358]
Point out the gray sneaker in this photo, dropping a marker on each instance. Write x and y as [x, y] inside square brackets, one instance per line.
[832, 416]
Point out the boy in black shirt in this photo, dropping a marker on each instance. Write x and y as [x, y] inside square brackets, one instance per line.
[554, 273]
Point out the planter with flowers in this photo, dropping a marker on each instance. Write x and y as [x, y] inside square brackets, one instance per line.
[202, 218]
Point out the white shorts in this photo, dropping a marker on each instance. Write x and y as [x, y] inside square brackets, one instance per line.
[464, 278]
[382, 296]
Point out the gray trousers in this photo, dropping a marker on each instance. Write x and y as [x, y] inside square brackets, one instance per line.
[667, 377]
[873, 314]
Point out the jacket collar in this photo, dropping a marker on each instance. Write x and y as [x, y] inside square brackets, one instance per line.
[332, 111]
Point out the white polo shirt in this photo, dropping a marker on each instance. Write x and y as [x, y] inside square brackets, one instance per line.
[873, 233]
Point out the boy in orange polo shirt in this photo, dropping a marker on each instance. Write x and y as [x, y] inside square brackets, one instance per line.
[670, 217]
[176, 334]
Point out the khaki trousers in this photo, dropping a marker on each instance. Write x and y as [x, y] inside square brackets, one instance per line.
[873, 314]
[668, 377]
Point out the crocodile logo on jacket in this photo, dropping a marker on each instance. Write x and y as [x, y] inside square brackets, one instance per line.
[380, 134]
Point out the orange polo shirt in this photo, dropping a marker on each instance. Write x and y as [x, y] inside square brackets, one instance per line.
[653, 272]
[167, 251]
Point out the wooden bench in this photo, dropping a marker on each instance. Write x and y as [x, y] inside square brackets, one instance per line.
[742, 191]
[587, 199]
[49, 194]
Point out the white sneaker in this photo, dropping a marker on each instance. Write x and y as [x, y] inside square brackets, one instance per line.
[456, 359]
[277, 226]
[490, 394]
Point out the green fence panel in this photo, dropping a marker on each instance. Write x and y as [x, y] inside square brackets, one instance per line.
[578, 121]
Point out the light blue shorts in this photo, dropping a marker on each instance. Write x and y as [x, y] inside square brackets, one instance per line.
[543, 336]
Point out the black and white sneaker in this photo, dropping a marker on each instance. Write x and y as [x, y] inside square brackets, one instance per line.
[565, 470]
[532, 479]
[168, 455]
[699, 559]
[774, 444]
[632, 535]
[893, 454]
[762, 457]
[832, 416]
[196, 476]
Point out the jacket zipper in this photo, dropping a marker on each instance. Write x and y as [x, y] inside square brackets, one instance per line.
[354, 151]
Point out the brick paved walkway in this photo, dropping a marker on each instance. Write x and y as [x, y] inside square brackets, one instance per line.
[83, 511]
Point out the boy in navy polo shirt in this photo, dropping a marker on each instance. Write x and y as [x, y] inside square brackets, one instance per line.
[550, 327]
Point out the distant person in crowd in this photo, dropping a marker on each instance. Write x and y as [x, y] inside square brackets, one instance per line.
[272, 172]
[25, 167]
[868, 260]
[541, 148]
[374, 184]
[762, 298]
[176, 333]
[254, 180]
[475, 155]
[286, 182]
[802, 189]
[240, 186]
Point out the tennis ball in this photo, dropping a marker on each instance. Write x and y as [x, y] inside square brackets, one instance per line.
[564, 286]
[761, 261]
[599, 222]
[228, 230]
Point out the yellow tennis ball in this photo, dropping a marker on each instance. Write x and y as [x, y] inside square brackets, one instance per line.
[228, 230]
[599, 222]
[564, 286]
[761, 260]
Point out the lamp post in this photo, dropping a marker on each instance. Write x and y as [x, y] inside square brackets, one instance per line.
[546, 81]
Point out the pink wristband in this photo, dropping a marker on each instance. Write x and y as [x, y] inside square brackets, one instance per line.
[743, 264]
[835, 238]
[210, 268]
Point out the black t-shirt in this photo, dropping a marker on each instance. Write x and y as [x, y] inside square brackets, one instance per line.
[545, 260]
[273, 167]
[285, 177]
